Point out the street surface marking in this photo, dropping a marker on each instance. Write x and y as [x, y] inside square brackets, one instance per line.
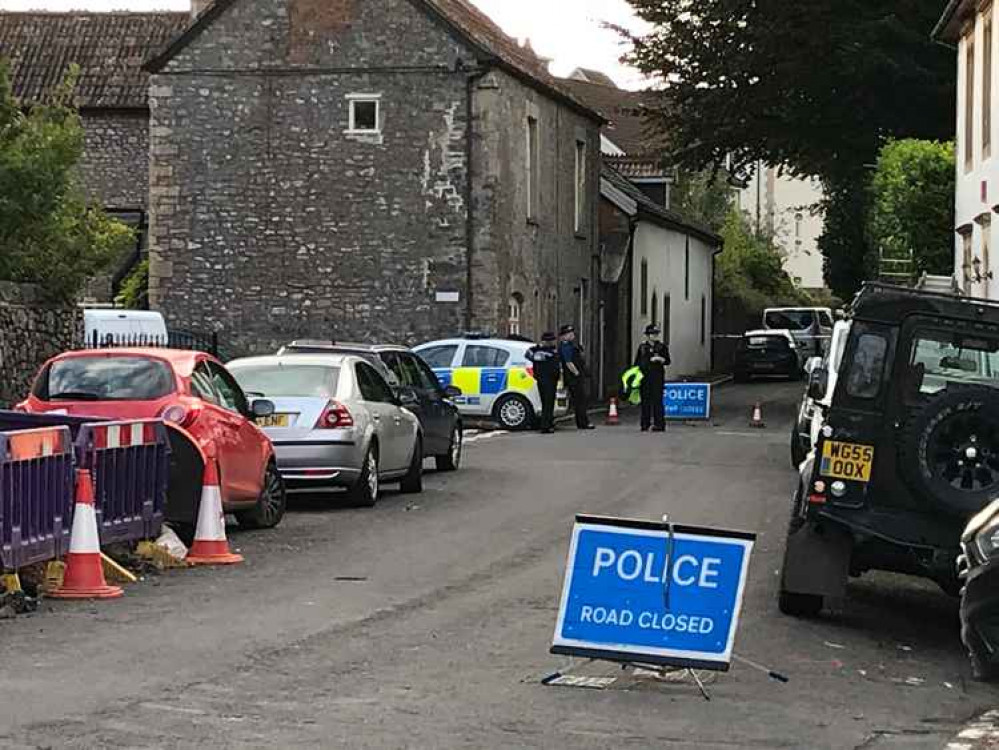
[978, 735]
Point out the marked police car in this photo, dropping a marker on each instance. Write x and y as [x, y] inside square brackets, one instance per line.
[495, 379]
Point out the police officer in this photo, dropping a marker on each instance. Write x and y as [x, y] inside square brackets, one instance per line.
[653, 359]
[575, 372]
[547, 370]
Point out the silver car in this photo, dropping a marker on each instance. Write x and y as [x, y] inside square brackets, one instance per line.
[337, 423]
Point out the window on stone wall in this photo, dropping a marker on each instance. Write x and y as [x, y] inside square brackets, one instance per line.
[704, 319]
[365, 111]
[580, 187]
[686, 271]
[645, 287]
[987, 84]
[667, 316]
[655, 308]
[533, 169]
[516, 307]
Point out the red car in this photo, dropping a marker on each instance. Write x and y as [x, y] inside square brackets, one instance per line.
[193, 393]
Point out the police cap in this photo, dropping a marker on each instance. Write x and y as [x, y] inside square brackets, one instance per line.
[652, 330]
[565, 330]
[548, 336]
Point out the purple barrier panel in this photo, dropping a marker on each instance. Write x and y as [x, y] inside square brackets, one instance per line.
[36, 496]
[130, 463]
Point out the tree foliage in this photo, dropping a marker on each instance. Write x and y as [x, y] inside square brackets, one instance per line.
[48, 233]
[912, 204]
[704, 197]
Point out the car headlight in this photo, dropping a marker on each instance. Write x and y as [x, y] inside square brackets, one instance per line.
[987, 540]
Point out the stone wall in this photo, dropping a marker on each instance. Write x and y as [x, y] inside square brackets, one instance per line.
[114, 169]
[30, 332]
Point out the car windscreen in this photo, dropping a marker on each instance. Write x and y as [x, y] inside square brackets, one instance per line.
[942, 358]
[288, 381]
[792, 320]
[106, 379]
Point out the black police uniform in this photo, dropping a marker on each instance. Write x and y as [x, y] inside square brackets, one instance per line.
[547, 370]
[653, 380]
[572, 353]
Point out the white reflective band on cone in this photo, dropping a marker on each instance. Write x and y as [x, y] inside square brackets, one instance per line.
[211, 519]
[84, 538]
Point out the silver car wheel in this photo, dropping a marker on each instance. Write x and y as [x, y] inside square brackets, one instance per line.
[373, 475]
[513, 413]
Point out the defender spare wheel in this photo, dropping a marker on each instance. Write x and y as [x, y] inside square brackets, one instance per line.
[950, 448]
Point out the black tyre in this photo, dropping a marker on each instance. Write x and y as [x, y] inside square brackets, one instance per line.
[982, 666]
[949, 451]
[451, 461]
[412, 483]
[271, 504]
[798, 452]
[514, 413]
[365, 491]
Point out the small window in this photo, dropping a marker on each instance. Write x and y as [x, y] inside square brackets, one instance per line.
[864, 379]
[969, 103]
[704, 319]
[514, 311]
[365, 114]
[686, 271]
[667, 316]
[439, 356]
[655, 308]
[580, 187]
[987, 85]
[485, 356]
[372, 386]
[645, 287]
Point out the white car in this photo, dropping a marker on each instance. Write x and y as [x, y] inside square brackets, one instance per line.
[495, 379]
[811, 326]
[811, 413]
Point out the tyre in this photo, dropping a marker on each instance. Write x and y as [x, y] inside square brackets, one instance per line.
[799, 605]
[982, 667]
[949, 451]
[412, 483]
[451, 460]
[271, 504]
[514, 413]
[364, 493]
[798, 452]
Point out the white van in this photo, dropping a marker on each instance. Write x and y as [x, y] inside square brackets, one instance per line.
[810, 326]
[128, 327]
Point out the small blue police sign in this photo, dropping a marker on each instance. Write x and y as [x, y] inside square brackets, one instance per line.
[641, 592]
[687, 400]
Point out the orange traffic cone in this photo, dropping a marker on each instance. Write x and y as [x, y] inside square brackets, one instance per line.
[84, 576]
[612, 415]
[757, 420]
[210, 545]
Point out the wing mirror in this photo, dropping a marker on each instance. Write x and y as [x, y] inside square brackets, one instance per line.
[262, 407]
[818, 383]
[452, 392]
[408, 396]
[813, 364]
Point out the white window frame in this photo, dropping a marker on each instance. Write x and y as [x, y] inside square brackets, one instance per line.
[352, 101]
[515, 311]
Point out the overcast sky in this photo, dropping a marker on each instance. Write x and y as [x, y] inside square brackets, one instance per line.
[573, 38]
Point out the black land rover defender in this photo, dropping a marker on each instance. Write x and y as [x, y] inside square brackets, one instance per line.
[909, 449]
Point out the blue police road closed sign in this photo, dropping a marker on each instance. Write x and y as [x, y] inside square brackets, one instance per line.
[637, 592]
[687, 400]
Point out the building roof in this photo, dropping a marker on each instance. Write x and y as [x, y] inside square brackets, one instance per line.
[649, 209]
[110, 49]
[627, 126]
[641, 167]
[948, 28]
[591, 76]
[468, 23]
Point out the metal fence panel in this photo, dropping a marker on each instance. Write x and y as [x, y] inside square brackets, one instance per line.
[36, 495]
[130, 463]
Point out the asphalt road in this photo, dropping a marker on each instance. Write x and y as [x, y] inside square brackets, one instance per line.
[425, 622]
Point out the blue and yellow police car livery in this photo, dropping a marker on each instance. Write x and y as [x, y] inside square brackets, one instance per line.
[494, 378]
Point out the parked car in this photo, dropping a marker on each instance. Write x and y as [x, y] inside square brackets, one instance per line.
[810, 326]
[805, 431]
[905, 454]
[495, 379]
[434, 404]
[192, 391]
[978, 567]
[337, 423]
[768, 353]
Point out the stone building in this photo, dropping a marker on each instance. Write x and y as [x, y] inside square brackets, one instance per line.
[111, 92]
[386, 169]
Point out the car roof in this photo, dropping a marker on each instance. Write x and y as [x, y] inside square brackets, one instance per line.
[499, 343]
[782, 332]
[339, 346]
[311, 360]
[885, 303]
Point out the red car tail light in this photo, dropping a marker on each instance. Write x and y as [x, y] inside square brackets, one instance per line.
[180, 414]
[334, 417]
[530, 370]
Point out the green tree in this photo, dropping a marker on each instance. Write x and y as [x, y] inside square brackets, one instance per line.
[48, 233]
[704, 197]
[912, 208]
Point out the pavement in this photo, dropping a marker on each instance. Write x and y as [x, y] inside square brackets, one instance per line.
[425, 622]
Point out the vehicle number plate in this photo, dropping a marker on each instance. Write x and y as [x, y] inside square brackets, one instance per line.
[766, 365]
[847, 461]
[275, 420]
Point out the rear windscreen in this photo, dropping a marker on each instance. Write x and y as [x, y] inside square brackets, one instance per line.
[288, 381]
[106, 379]
[792, 320]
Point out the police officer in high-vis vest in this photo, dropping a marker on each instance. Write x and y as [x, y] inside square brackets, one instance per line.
[653, 359]
[547, 367]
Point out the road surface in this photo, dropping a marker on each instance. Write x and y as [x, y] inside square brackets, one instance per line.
[425, 622]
